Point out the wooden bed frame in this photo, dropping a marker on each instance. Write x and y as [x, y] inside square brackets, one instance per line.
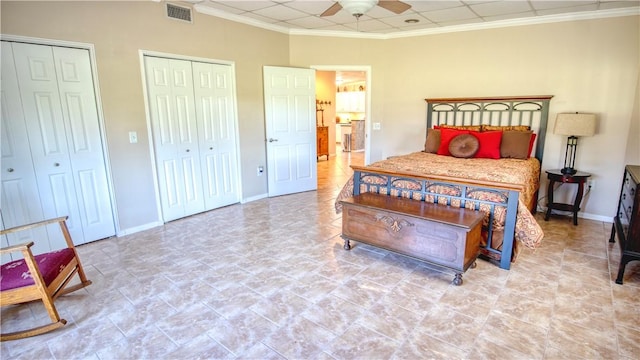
[498, 111]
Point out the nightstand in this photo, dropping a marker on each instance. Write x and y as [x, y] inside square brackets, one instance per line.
[556, 176]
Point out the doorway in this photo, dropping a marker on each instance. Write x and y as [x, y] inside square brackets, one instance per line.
[357, 80]
[351, 103]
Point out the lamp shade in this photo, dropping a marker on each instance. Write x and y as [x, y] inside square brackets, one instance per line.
[575, 124]
[358, 7]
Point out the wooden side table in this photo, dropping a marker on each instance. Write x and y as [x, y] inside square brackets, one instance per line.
[556, 176]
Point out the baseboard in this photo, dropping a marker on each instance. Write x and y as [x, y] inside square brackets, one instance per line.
[602, 218]
[254, 198]
[582, 215]
[136, 229]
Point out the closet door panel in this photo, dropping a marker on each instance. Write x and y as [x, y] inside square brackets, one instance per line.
[19, 192]
[80, 111]
[175, 135]
[215, 112]
[165, 137]
[45, 126]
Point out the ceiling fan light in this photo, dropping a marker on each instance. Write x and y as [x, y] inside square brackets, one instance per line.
[358, 7]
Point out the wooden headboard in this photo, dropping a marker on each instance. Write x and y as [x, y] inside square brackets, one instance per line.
[532, 111]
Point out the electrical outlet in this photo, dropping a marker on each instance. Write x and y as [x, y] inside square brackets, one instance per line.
[591, 184]
[376, 126]
[260, 170]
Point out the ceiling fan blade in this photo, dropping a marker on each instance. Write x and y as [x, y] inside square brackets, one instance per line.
[395, 6]
[332, 10]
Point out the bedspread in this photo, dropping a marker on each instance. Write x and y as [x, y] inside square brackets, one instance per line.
[524, 173]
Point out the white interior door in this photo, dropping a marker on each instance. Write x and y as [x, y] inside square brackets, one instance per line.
[84, 144]
[175, 136]
[59, 113]
[289, 98]
[215, 114]
[19, 187]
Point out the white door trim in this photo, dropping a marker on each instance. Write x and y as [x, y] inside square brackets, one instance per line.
[96, 88]
[369, 118]
[141, 54]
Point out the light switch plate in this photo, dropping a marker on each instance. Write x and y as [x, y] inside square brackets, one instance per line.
[133, 137]
[376, 126]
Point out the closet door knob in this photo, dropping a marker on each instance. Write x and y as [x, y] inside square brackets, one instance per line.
[10, 169]
[56, 164]
[188, 150]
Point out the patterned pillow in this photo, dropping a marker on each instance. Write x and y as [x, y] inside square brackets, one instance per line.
[460, 127]
[432, 143]
[464, 146]
[506, 128]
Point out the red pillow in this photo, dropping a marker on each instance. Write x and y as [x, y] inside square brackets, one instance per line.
[489, 144]
[531, 141]
[446, 135]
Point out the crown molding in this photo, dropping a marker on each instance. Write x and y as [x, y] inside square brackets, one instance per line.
[548, 19]
[598, 14]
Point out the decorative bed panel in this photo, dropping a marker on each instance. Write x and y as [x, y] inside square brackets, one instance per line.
[532, 111]
[504, 189]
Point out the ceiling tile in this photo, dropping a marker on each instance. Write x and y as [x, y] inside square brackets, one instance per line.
[566, 10]
[280, 12]
[310, 22]
[509, 16]
[399, 21]
[543, 5]
[421, 6]
[618, 4]
[244, 5]
[311, 7]
[447, 15]
[500, 8]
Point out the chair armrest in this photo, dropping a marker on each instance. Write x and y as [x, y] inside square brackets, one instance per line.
[18, 247]
[33, 225]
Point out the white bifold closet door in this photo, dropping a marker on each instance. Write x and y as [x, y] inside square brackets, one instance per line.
[191, 105]
[52, 155]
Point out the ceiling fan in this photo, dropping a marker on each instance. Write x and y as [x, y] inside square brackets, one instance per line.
[358, 7]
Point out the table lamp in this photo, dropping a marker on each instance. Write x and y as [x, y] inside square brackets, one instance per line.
[573, 125]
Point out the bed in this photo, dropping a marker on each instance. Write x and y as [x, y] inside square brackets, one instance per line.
[482, 154]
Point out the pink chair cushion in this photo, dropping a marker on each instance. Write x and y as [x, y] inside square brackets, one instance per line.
[16, 274]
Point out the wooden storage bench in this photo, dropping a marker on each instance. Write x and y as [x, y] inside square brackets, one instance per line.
[437, 234]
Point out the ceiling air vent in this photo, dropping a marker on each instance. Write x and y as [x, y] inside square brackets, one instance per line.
[179, 12]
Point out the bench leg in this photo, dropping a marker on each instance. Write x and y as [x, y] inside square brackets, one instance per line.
[623, 263]
[457, 281]
[347, 244]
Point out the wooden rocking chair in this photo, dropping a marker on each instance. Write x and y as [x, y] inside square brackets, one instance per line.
[41, 277]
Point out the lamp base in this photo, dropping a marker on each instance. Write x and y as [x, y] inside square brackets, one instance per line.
[568, 171]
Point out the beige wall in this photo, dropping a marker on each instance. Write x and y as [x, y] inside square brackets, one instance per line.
[118, 30]
[589, 66]
[633, 141]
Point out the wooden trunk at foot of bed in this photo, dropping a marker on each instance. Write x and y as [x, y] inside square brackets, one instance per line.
[468, 195]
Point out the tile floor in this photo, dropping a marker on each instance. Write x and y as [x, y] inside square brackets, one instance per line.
[270, 280]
